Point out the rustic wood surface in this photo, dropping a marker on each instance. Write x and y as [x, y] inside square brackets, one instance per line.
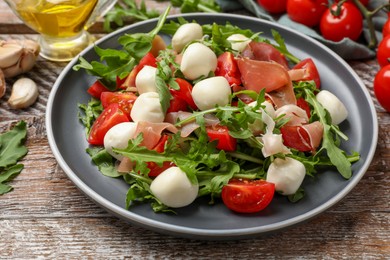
[46, 216]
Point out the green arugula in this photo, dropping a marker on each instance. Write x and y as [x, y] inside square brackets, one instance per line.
[88, 113]
[12, 149]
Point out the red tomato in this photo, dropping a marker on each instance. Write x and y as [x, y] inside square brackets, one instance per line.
[155, 169]
[386, 27]
[383, 53]
[296, 137]
[148, 60]
[310, 70]
[96, 89]
[382, 87]
[247, 196]
[273, 6]
[112, 115]
[227, 68]
[307, 12]
[348, 24]
[184, 93]
[221, 134]
[177, 104]
[125, 100]
[302, 103]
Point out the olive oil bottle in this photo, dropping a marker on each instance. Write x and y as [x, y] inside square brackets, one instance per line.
[56, 18]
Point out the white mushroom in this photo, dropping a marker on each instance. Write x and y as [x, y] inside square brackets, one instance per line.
[210, 92]
[198, 60]
[185, 34]
[173, 188]
[287, 175]
[118, 137]
[335, 107]
[145, 81]
[147, 107]
[238, 41]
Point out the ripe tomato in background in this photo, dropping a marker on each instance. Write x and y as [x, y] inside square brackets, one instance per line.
[307, 12]
[382, 87]
[348, 24]
[273, 6]
[383, 53]
[112, 115]
[247, 196]
[386, 28]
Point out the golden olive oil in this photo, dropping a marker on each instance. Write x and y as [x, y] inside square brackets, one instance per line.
[56, 18]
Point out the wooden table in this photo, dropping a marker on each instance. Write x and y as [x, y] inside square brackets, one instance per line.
[46, 216]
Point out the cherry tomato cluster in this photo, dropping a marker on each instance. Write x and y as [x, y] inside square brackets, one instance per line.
[382, 78]
[335, 22]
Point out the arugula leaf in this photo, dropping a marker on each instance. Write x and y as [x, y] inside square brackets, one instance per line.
[12, 149]
[11, 145]
[337, 156]
[89, 112]
[7, 175]
[191, 6]
[282, 46]
[104, 161]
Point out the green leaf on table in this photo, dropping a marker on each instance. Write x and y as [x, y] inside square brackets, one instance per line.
[7, 175]
[12, 147]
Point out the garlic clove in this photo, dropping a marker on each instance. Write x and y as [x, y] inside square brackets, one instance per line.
[24, 93]
[9, 53]
[2, 84]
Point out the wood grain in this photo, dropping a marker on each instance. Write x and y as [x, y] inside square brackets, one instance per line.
[47, 217]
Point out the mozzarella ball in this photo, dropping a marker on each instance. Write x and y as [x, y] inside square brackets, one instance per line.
[173, 188]
[238, 41]
[210, 92]
[145, 81]
[335, 107]
[287, 175]
[147, 107]
[118, 137]
[185, 34]
[198, 60]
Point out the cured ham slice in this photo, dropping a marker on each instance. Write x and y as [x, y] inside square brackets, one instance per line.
[305, 138]
[295, 114]
[152, 132]
[257, 75]
[264, 52]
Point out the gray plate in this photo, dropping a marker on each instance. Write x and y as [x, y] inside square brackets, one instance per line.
[200, 220]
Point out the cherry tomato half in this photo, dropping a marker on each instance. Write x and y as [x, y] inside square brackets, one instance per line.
[227, 68]
[348, 24]
[155, 169]
[112, 115]
[184, 93]
[247, 196]
[96, 89]
[147, 60]
[125, 100]
[307, 12]
[273, 6]
[310, 70]
[221, 134]
[383, 53]
[382, 87]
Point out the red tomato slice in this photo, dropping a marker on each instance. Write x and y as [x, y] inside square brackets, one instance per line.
[221, 134]
[311, 71]
[177, 104]
[302, 103]
[155, 170]
[96, 89]
[247, 196]
[125, 100]
[112, 115]
[184, 93]
[147, 60]
[227, 68]
[296, 137]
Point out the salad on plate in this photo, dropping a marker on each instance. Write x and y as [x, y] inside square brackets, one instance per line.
[190, 110]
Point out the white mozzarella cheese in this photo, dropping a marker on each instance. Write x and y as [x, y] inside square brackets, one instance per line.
[210, 92]
[238, 41]
[185, 34]
[335, 107]
[287, 175]
[147, 107]
[118, 137]
[145, 81]
[198, 60]
[173, 188]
